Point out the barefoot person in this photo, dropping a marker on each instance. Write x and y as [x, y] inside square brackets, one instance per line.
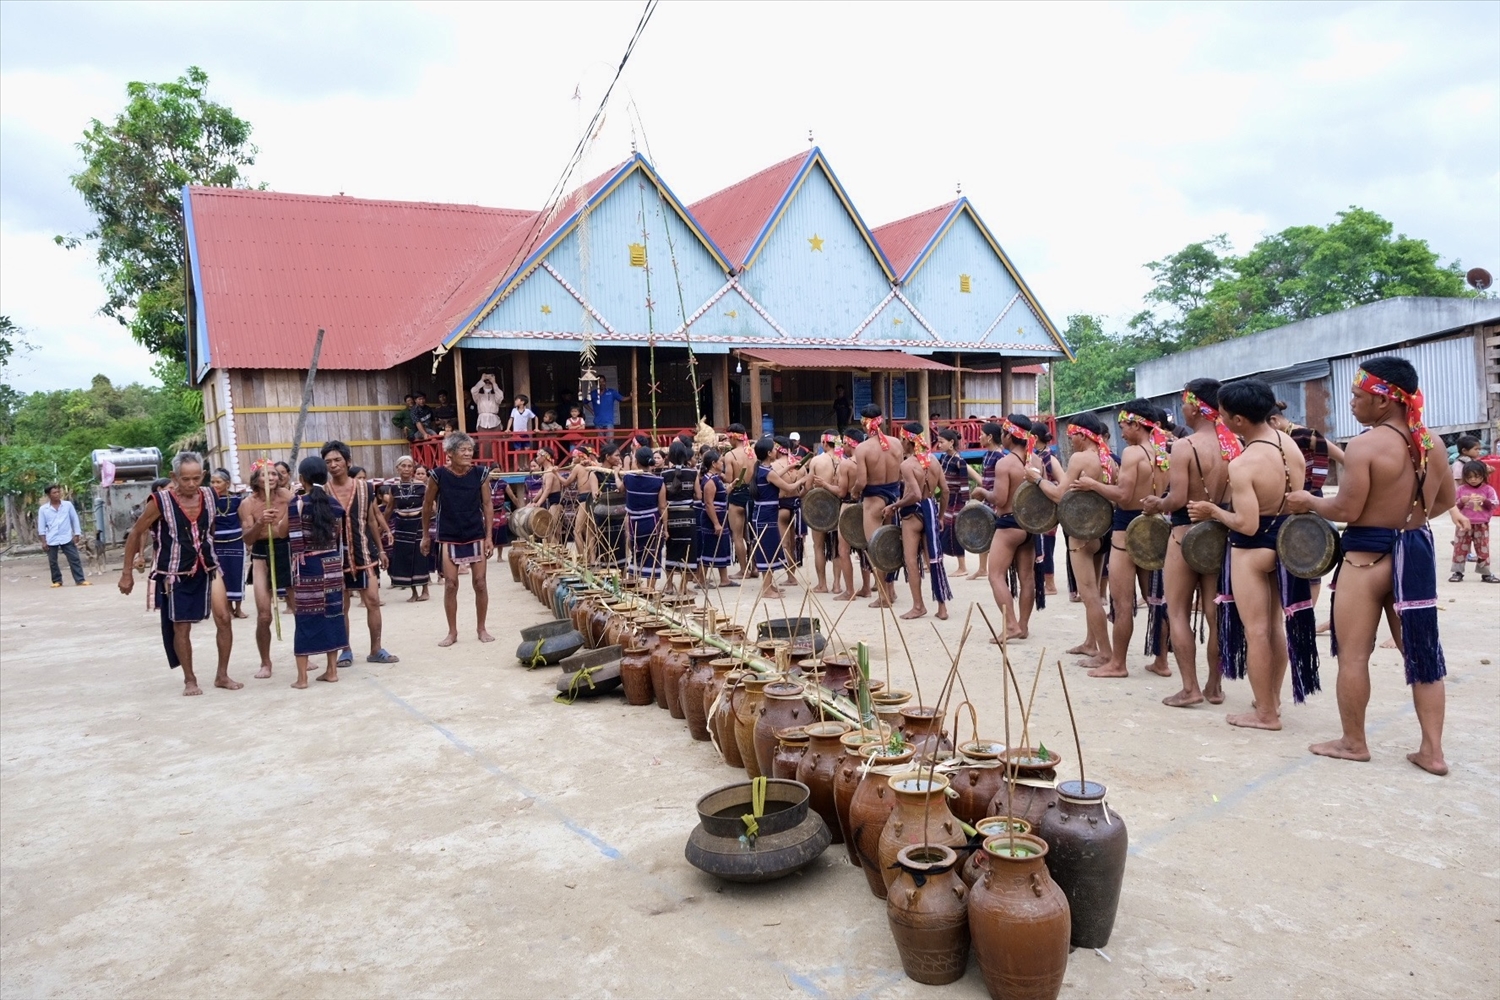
[766, 550]
[317, 532]
[843, 487]
[409, 568]
[645, 517]
[877, 480]
[956, 483]
[1394, 479]
[739, 473]
[917, 514]
[933, 485]
[1138, 465]
[229, 541]
[714, 546]
[263, 519]
[363, 522]
[821, 470]
[184, 575]
[460, 494]
[1090, 461]
[1199, 471]
[1011, 549]
[1266, 620]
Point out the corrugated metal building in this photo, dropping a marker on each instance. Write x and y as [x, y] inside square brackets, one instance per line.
[424, 296]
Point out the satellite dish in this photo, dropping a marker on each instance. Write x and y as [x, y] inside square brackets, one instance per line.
[1479, 278]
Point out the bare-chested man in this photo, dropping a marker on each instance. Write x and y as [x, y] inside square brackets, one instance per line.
[877, 480]
[1090, 460]
[843, 487]
[1253, 627]
[265, 526]
[823, 470]
[1394, 479]
[184, 574]
[739, 476]
[1009, 448]
[1138, 465]
[917, 514]
[792, 481]
[1199, 471]
[363, 522]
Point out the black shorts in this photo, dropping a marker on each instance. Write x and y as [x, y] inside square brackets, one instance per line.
[357, 581]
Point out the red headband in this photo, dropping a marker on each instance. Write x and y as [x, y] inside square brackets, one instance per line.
[1158, 437]
[1229, 443]
[1106, 460]
[1421, 439]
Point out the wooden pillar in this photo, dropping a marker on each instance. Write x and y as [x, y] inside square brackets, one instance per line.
[958, 386]
[1005, 390]
[923, 402]
[720, 416]
[520, 374]
[635, 388]
[753, 429]
[877, 395]
[460, 394]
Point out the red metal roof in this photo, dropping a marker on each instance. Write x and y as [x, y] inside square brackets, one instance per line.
[272, 268]
[734, 217]
[842, 359]
[903, 239]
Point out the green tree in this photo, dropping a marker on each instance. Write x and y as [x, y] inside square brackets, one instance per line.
[169, 135]
[12, 340]
[1104, 371]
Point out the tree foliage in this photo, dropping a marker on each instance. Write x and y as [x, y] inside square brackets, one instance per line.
[12, 341]
[1204, 294]
[169, 135]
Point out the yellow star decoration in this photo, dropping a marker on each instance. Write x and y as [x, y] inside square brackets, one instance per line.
[733, 313]
[896, 321]
[546, 310]
[817, 242]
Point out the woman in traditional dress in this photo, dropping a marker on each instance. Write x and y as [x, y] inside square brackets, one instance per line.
[499, 514]
[645, 512]
[715, 547]
[229, 541]
[315, 523]
[681, 480]
[410, 569]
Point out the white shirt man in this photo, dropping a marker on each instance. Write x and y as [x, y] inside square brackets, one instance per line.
[58, 526]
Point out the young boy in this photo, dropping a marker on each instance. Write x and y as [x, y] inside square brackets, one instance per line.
[1475, 504]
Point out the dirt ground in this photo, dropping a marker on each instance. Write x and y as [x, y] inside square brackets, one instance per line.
[442, 827]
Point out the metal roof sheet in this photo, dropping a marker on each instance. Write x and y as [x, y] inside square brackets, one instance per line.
[272, 268]
[842, 358]
[904, 239]
[735, 216]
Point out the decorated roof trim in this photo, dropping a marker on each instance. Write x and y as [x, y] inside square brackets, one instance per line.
[816, 158]
[507, 285]
[964, 206]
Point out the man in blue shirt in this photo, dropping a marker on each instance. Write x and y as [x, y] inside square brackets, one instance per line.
[605, 402]
[57, 524]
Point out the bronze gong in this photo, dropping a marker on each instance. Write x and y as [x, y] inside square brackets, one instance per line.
[852, 525]
[1146, 540]
[1083, 514]
[1307, 545]
[820, 509]
[974, 526]
[886, 552]
[1203, 547]
[1035, 511]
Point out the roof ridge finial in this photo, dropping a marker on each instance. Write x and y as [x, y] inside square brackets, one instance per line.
[958, 189]
[810, 141]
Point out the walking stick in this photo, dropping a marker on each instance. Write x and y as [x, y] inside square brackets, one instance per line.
[268, 469]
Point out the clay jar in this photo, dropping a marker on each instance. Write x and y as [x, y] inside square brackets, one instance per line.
[990, 826]
[673, 665]
[581, 610]
[514, 557]
[1031, 802]
[659, 664]
[976, 786]
[923, 729]
[721, 721]
[1086, 846]
[869, 809]
[929, 915]
[747, 705]
[921, 816]
[781, 708]
[819, 768]
[836, 671]
[619, 625]
[635, 674]
[888, 705]
[598, 624]
[791, 747]
[846, 780]
[1019, 921]
[696, 680]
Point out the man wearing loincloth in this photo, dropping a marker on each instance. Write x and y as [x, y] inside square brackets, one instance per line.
[916, 513]
[185, 575]
[1266, 623]
[842, 486]
[1199, 471]
[363, 523]
[1394, 479]
[739, 471]
[460, 492]
[823, 470]
[265, 526]
[877, 480]
[1009, 444]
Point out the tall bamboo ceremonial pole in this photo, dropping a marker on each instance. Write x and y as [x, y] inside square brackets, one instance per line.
[307, 388]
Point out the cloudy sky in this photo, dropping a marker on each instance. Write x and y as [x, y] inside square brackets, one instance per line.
[1092, 138]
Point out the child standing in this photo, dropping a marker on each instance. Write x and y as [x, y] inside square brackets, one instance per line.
[315, 524]
[1476, 501]
[575, 419]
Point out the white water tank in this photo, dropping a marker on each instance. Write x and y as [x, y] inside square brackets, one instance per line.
[129, 463]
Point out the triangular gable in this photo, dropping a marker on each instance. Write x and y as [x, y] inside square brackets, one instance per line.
[965, 284]
[547, 248]
[906, 240]
[895, 321]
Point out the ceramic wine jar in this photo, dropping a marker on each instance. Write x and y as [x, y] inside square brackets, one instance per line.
[721, 723]
[673, 665]
[791, 747]
[923, 729]
[846, 780]
[659, 656]
[870, 807]
[1086, 847]
[1032, 800]
[635, 674]
[747, 705]
[990, 826]
[514, 557]
[929, 914]
[976, 785]
[819, 768]
[1019, 921]
[921, 816]
[696, 680]
[781, 708]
